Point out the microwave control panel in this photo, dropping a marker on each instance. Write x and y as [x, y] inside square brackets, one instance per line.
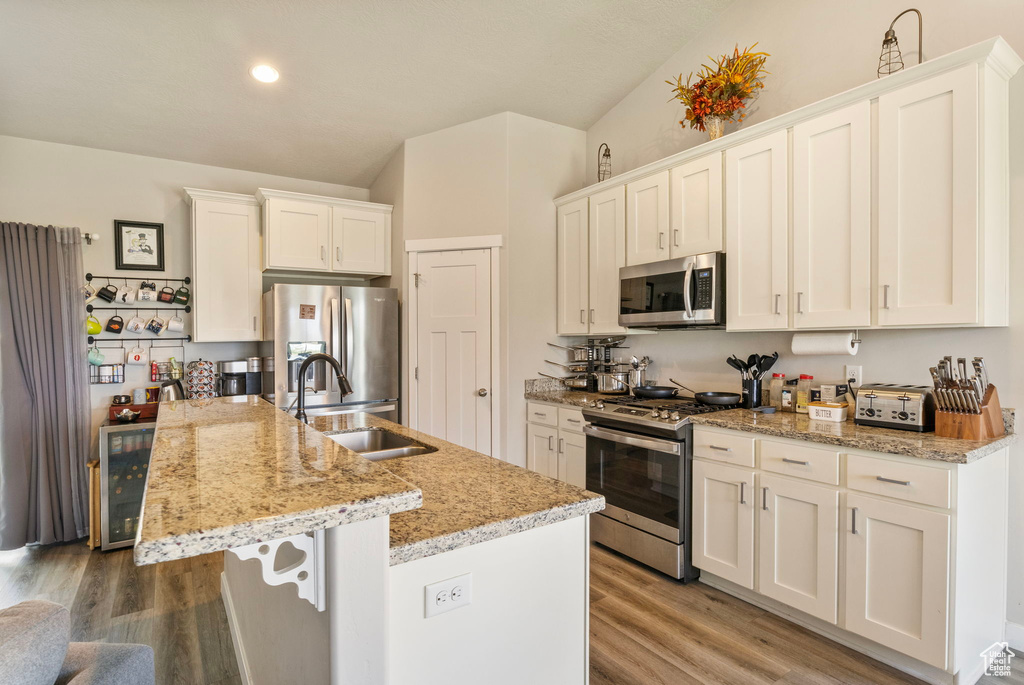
[704, 281]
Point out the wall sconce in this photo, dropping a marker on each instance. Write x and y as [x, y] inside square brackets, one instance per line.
[891, 61]
[604, 162]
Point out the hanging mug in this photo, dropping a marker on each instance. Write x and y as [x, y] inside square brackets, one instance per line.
[147, 291]
[166, 294]
[182, 295]
[95, 356]
[138, 357]
[89, 292]
[136, 324]
[93, 325]
[126, 294]
[176, 324]
[156, 325]
[107, 293]
[115, 324]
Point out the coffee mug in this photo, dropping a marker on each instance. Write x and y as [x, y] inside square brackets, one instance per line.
[138, 356]
[153, 393]
[89, 292]
[136, 324]
[95, 356]
[107, 293]
[93, 325]
[156, 325]
[182, 295]
[147, 294]
[115, 324]
[121, 399]
[176, 324]
[166, 294]
[126, 294]
[139, 396]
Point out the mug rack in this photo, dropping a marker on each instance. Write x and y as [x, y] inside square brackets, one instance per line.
[187, 308]
[151, 340]
[90, 276]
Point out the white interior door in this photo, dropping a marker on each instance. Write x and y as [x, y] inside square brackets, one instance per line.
[453, 347]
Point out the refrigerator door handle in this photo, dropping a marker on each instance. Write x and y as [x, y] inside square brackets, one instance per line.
[349, 337]
[334, 351]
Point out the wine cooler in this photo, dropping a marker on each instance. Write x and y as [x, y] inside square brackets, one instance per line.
[124, 463]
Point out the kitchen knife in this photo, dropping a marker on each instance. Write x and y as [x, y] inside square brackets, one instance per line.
[979, 364]
[961, 364]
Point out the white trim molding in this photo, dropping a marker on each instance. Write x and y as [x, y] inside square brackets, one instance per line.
[1015, 636]
[193, 194]
[473, 242]
[262, 194]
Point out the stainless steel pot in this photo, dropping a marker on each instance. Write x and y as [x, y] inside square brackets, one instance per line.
[613, 383]
[575, 368]
[577, 383]
[578, 354]
[231, 384]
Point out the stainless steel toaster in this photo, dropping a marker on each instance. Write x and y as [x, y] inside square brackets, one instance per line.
[889, 405]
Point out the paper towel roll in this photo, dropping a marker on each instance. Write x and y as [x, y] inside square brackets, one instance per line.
[824, 343]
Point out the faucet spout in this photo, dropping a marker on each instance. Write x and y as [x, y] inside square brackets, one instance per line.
[343, 384]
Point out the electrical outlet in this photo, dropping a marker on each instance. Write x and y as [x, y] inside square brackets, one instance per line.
[447, 595]
[854, 372]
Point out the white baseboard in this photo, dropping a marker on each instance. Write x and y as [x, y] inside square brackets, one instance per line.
[229, 609]
[1015, 636]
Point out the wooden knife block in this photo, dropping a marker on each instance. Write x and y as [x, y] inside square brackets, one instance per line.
[984, 426]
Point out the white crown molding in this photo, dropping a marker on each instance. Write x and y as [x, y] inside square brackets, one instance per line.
[995, 53]
[192, 194]
[473, 242]
[263, 194]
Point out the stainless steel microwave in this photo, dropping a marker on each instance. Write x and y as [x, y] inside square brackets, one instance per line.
[688, 292]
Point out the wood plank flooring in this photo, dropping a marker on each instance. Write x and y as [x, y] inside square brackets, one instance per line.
[645, 628]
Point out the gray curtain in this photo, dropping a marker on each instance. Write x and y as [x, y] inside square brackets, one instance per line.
[44, 387]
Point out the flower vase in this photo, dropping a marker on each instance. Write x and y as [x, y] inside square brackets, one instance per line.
[715, 126]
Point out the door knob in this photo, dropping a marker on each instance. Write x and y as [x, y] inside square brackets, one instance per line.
[482, 392]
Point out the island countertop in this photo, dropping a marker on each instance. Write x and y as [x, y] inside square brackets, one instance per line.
[234, 471]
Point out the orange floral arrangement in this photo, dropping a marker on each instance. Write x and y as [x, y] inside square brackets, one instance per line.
[723, 88]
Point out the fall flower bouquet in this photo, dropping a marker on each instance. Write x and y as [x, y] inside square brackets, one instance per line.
[722, 90]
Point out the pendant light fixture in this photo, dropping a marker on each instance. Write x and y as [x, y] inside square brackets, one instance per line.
[891, 61]
[604, 162]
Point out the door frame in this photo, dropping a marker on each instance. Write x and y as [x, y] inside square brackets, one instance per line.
[492, 244]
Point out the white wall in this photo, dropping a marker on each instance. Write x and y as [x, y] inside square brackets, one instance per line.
[819, 48]
[65, 185]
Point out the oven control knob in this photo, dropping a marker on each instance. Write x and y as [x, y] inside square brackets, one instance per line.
[664, 413]
[675, 416]
[599, 404]
[654, 413]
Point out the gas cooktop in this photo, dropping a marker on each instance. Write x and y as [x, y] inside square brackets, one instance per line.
[659, 417]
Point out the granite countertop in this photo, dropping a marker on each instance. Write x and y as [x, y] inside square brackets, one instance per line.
[572, 398]
[468, 497]
[869, 438]
[234, 471]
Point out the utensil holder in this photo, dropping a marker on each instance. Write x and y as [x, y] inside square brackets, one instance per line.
[984, 426]
[751, 393]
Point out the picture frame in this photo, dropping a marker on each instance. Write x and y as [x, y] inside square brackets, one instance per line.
[138, 246]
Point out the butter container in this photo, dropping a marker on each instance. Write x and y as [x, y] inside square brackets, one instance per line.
[827, 411]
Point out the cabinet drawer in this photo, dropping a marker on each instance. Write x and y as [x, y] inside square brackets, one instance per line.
[570, 420]
[541, 413]
[723, 447]
[909, 482]
[800, 461]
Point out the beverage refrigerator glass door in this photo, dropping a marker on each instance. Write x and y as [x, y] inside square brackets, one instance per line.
[676, 293]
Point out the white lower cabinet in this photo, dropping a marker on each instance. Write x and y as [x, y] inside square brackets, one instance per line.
[574, 456]
[555, 444]
[541, 453]
[897, 576]
[723, 521]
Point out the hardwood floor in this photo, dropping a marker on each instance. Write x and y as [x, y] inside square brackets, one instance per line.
[645, 628]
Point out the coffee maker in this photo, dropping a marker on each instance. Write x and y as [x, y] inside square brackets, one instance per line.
[240, 377]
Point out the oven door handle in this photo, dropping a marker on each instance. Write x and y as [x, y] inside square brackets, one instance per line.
[687, 280]
[633, 440]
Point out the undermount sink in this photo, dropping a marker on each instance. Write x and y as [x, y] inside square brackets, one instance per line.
[377, 444]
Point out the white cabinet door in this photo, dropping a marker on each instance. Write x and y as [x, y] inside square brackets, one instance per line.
[647, 222]
[573, 455]
[226, 269]
[696, 213]
[607, 256]
[757, 233]
[832, 219]
[573, 271]
[296, 235]
[928, 202]
[541, 449]
[723, 521]
[798, 557]
[897, 576]
[360, 241]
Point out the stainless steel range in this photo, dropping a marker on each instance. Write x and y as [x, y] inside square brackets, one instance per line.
[640, 457]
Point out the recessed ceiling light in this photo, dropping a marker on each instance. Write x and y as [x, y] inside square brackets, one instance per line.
[264, 73]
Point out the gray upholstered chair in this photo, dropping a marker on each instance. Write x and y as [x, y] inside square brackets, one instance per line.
[34, 650]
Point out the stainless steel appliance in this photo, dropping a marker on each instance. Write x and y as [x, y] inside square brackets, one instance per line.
[358, 326]
[888, 405]
[640, 457]
[240, 377]
[688, 292]
[124, 463]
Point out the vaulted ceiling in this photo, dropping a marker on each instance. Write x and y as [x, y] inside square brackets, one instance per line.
[170, 78]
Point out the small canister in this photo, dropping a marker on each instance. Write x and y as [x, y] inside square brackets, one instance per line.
[139, 396]
[253, 364]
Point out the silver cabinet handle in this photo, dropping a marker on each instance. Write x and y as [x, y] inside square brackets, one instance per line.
[591, 316]
[254, 324]
[573, 420]
[539, 413]
[583, 316]
[482, 392]
[337, 254]
[551, 442]
[885, 296]
[777, 298]
[323, 254]
[743, 497]
[799, 307]
[893, 480]
[795, 461]
[661, 240]
[561, 445]
[675, 237]
[853, 526]
[720, 449]
[764, 498]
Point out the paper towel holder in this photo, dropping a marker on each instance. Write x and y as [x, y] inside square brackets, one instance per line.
[856, 337]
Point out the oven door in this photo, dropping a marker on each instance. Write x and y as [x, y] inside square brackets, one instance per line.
[688, 291]
[643, 479]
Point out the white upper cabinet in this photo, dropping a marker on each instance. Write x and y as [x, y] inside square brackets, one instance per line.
[573, 281]
[607, 256]
[647, 220]
[928, 220]
[757, 233]
[360, 241]
[228, 280]
[297, 235]
[696, 206]
[832, 219]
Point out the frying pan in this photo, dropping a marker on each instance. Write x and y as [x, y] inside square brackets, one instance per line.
[711, 397]
[654, 392]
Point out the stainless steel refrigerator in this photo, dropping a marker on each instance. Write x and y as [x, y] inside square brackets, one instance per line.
[357, 326]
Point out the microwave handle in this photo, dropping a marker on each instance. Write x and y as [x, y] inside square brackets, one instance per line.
[687, 280]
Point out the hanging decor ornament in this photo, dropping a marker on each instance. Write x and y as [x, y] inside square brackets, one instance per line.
[721, 91]
[604, 162]
[891, 60]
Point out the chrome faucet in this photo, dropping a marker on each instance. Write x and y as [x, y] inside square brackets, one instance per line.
[343, 384]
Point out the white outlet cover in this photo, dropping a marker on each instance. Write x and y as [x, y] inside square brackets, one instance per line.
[447, 595]
[852, 371]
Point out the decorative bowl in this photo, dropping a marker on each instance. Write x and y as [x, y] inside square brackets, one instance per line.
[126, 415]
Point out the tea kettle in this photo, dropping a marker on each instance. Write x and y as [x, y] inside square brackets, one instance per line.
[172, 390]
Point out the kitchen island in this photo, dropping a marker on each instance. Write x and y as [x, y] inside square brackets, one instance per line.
[330, 555]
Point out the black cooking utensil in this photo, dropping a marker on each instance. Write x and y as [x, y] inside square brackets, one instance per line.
[737, 364]
[767, 363]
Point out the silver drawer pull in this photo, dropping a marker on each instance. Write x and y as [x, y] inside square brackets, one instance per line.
[721, 449]
[539, 413]
[893, 480]
[764, 498]
[796, 461]
[743, 497]
[573, 420]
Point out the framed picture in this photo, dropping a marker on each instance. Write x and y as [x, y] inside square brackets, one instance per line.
[138, 246]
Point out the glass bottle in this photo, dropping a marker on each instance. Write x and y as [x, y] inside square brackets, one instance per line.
[803, 392]
[775, 391]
